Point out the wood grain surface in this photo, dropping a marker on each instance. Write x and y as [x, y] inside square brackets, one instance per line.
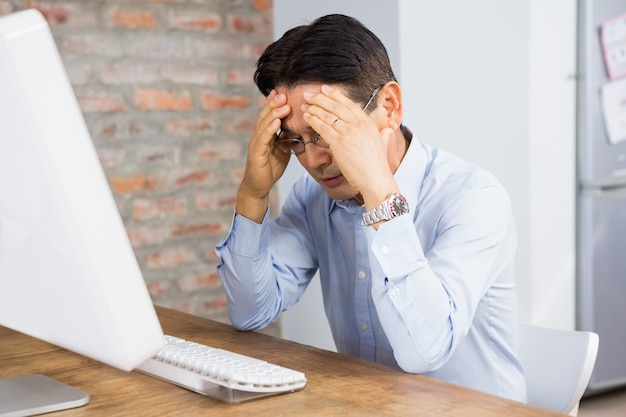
[338, 385]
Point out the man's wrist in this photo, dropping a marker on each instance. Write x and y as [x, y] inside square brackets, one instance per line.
[393, 206]
[250, 207]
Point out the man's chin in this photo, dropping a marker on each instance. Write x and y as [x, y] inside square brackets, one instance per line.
[336, 194]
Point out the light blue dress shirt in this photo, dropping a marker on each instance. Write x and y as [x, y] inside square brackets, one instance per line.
[431, 292]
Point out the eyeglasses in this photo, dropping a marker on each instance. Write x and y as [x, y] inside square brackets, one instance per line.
[296, 145]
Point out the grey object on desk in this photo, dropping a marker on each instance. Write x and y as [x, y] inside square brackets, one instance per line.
[28, 395]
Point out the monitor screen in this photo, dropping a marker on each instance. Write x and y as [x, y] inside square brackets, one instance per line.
[68, 274]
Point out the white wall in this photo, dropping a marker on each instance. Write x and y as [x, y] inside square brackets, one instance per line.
[493, 82]
[470, 83]
[549, 297]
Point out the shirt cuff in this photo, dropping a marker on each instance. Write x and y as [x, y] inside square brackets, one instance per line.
[397, 248]
[244, 231]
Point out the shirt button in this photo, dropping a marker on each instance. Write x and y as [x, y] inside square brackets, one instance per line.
[395, 291]
[361, 275]
[384, 250]
[364, 327]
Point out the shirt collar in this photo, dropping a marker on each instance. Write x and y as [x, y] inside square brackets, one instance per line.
[411, 172]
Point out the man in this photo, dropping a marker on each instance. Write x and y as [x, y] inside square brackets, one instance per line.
[414, 246]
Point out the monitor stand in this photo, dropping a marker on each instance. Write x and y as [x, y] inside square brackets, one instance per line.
[28, 395]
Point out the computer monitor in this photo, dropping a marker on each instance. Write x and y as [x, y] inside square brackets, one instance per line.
[68, 274]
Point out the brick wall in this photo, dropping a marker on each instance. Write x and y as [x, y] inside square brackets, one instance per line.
[167, 93]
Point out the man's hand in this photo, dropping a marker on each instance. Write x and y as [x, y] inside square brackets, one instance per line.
[265, 163]
[359, 142]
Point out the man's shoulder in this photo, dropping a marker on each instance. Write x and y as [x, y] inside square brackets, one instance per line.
[447, 168]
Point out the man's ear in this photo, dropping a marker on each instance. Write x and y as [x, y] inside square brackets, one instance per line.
[390, 98]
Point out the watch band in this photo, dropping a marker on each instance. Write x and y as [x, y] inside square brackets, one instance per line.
[393, 206]
[375, 215]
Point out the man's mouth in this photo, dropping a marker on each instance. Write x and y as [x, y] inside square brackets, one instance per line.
[331, 181]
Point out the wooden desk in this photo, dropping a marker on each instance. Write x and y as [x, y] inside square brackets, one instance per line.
[337, 385]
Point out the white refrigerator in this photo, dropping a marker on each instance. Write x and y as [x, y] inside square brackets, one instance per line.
[601, 202]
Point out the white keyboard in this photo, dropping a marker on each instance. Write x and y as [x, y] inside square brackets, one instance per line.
[219, 373]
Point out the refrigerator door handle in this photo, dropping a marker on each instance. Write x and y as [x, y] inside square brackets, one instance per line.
[617, 192]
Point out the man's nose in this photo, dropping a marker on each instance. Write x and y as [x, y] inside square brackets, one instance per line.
[315, 156]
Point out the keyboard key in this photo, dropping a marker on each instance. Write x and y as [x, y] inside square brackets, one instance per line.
[219, 373]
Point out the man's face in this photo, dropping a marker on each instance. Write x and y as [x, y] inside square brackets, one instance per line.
[318, 161]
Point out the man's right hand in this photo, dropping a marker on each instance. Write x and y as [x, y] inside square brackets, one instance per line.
[265, 163]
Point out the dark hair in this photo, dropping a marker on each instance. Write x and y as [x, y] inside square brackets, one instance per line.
[334, 49]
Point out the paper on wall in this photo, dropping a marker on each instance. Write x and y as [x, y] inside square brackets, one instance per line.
[613, 103]
[613, 40]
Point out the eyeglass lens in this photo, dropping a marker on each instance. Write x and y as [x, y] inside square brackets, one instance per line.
[297, 145]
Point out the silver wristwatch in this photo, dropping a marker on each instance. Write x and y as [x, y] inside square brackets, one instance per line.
[395, 205]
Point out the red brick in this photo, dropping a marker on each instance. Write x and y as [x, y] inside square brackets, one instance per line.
[115, 129]
[195, 20]
[144, 236]
[128, 184]
[254, 24]
[152, 99]
[212, 101]
[100, 102]
[237, 76]
[185, 230]
[216, 200]
[144, 209]
[130, 19]
[263, 4]
[189, 127]
[245, 125]
[199, 281]
[157, 288]
[206, 201]
[53, 14]
[192, 177]
[220, 151]
[169, 258]
[66, 14]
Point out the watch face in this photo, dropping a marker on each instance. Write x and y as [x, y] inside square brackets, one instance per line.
[399, 206]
